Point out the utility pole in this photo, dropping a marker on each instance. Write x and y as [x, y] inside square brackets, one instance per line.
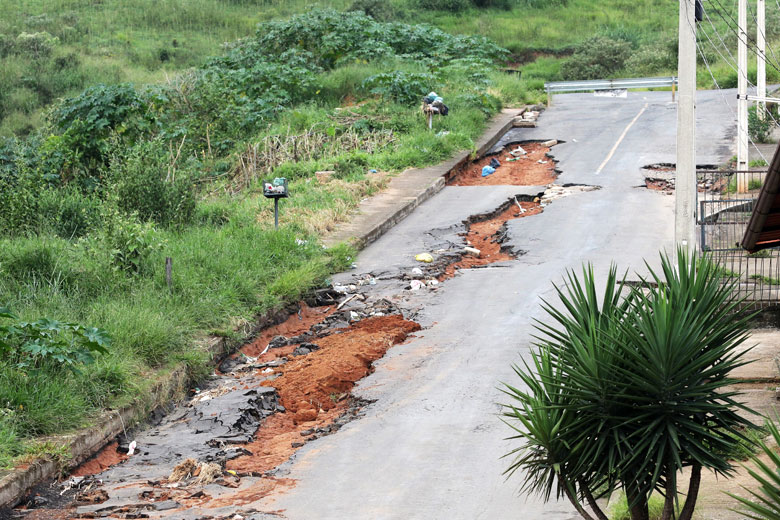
[685, 181]
[761, 56]
[742, 102]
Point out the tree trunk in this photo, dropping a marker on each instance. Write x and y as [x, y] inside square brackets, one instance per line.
[671, 493]
[576, 503]
[693, 493]
[592, 503]
[637, 504]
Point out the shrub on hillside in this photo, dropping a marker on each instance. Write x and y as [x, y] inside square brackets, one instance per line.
[379, 10]
[36, 45]
[401, 87]
[596, 58]
[452, 6]
[650, 59]
[145, 183]
[68, 212]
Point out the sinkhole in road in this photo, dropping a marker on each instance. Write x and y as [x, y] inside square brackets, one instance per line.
[523, 163]
[661, 177]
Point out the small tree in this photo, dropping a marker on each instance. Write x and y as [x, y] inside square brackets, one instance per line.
[626, 389]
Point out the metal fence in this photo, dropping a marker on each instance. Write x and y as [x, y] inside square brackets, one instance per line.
[725, 203]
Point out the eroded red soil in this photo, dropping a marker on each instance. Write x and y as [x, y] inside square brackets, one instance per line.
[313, 387]
[525, 171]
[292, 326]
[484, 236]
[104, 459]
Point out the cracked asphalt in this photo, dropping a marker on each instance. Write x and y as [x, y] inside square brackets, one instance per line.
[431, 442]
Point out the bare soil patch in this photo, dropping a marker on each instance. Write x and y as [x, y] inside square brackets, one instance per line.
[535, 168]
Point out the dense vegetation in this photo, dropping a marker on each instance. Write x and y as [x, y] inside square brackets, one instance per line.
[122, 176]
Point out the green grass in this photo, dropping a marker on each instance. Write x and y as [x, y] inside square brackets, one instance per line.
[619, 510]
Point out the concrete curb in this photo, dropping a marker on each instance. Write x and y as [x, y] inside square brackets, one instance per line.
[405, 193]
[378, 214]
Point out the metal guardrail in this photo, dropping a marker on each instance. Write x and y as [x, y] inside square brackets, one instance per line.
[609, 84]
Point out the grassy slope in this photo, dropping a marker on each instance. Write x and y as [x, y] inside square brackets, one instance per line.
[146, 41]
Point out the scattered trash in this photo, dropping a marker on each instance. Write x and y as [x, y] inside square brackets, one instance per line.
[352, 288]
[340, 289]
[541, 161]
[354, 316]
[372, 171]
[443, 133]
[416, 285]
[131, 448]
[346, 300]
[517, 152]
[301, 242]
[574, 140]
[353, 266]
[432, 282]
[494, 163]
[473, 251]
[417, 271]
[487, 170]
[372, 281]
[424, 257]
[268, 370]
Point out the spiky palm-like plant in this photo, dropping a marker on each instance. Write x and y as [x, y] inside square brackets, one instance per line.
[627, 388]
[765, 502]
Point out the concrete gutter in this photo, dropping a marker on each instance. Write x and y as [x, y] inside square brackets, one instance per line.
[374, 217]
[378, 214]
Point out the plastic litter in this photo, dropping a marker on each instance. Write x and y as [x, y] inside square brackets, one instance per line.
[487, 170]
[494, 163]
[433, 282]
[301, 242]
[354, 316]
[424, 257]
[443, 133]
[340, 289]
[372, 171]
[131, 448]
[417, 271]
[416, 285]
[473, 251]
[517, 152]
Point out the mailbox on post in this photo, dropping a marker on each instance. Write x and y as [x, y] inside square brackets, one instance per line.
[276, 189]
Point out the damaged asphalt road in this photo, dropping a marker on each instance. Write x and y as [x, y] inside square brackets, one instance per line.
[430, 442]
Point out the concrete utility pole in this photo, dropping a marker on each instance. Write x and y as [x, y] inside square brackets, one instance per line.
[742, 102]
[761, 56]
[685, 182]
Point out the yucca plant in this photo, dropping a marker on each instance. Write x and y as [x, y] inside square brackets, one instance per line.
[626, 388]
[765, 503]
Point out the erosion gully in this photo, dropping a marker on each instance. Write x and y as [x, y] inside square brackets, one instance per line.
[214, 456]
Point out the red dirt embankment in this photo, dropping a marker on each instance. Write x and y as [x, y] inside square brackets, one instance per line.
[312, 388]
[485, 235]
[525, 171]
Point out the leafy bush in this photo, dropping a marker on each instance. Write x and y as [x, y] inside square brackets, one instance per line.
[400, 86]
[379, 10]
[650, 59]
[759, 129]
[145, 183]
[126, 241]
[49, 344]
[453, 6]
[36, 45]
[87, 120]
[68, 212]
[596, 58]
